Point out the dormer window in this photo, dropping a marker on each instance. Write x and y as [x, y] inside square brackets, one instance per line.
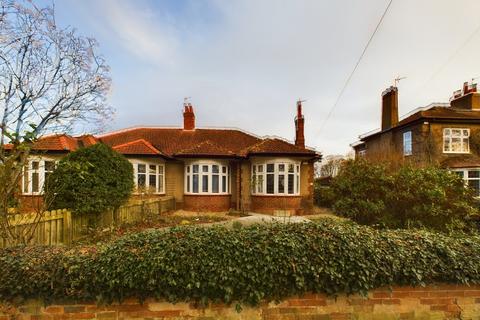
[456, 140]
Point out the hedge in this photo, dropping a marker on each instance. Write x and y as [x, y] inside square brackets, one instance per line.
[243, 265]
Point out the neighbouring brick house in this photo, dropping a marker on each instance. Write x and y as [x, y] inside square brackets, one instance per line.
[445, 134]
[204, 169]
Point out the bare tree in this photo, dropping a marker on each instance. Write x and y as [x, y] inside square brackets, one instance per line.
[50, 79]
[330, 165]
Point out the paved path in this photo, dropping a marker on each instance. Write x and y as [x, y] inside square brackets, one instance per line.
[254, 218]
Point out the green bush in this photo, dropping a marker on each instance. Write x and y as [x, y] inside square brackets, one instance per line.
[408, 197]
[323, 196]
[246, 265]
[91, 180]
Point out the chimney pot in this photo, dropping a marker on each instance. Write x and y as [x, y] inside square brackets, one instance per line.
[468, 98]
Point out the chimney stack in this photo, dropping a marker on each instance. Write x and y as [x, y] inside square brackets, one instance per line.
[389, 108]
[468, 98]
[299, 126]
[188, 117]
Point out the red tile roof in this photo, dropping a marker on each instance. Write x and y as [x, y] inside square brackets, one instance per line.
[275, 146]
[205, 148]
[137, 147]
[176, 142]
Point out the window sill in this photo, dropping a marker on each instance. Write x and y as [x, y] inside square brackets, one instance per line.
[274, 195]
[455, 152]
[146, 194]
[207, 194]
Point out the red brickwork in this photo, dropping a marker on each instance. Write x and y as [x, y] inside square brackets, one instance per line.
[203, 203]
[433, 302]
[30, 203]
[269, 204]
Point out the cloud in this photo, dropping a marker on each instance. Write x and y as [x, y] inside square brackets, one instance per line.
[139, 30]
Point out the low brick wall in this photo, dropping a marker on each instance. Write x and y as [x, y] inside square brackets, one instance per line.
[217, 203]
[433, 302]
[269, 204]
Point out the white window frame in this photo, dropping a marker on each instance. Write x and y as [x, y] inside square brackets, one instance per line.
[224, 177]
[27, 185]
[466, 179]
[259, 177]
[407, 143]
[159, 173]
[448, 137]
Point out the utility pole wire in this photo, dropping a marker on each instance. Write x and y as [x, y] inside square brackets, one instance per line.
[355, 68]
[450, 59]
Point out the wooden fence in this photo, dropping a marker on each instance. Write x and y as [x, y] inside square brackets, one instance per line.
[62, 227]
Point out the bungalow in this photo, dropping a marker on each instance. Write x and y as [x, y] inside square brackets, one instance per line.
[204, 169]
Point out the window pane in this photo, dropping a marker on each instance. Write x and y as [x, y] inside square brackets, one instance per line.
[446, 144]
[195, 182]
[281, 167]
[141, 168]
[465, 132]
[35, 165]
[215, 168]
[224, 183]
[291, 183]
[297, 184]
[160, 184]
[474, 185]
[152, 181]
[290, 167]
[188, 183]
[215, 183]
[152, 169]
[49, 166]
[160, 169]
[270, 167]
[281, 184]
[204, 183]
[204, 168]
[260, 168]
[474, 174]
[35, 181]
[456, 132]
[141, 180]
[195, 168]
[270, 183]
[260, 184]
[224, 169]
[456, 145]
[459, 173]
[188, 169]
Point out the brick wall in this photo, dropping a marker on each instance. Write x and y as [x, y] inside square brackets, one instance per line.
[269, 204]
[215, 203]
[433, 302]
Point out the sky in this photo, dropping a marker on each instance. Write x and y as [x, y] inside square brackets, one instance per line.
[245, 63]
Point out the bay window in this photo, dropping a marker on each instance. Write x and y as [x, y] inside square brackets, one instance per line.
[278, 177]
[149, 177]
[471, 177]
[35, 174]
[207, 177]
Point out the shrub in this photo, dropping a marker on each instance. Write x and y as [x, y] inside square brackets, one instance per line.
[410, 197]
[92, 180]
[323, 196]
[360, 191]
[246, 265]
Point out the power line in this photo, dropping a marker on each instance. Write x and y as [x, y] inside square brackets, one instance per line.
[355, 68]
[450, 59]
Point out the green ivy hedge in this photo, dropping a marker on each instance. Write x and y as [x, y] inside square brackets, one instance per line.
[243, 265]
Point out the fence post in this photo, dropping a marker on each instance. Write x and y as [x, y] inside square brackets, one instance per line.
[67, 227]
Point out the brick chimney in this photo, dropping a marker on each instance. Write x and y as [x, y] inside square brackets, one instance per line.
[299, 126]
[188, 117]
[467, 98]
[389, 108]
